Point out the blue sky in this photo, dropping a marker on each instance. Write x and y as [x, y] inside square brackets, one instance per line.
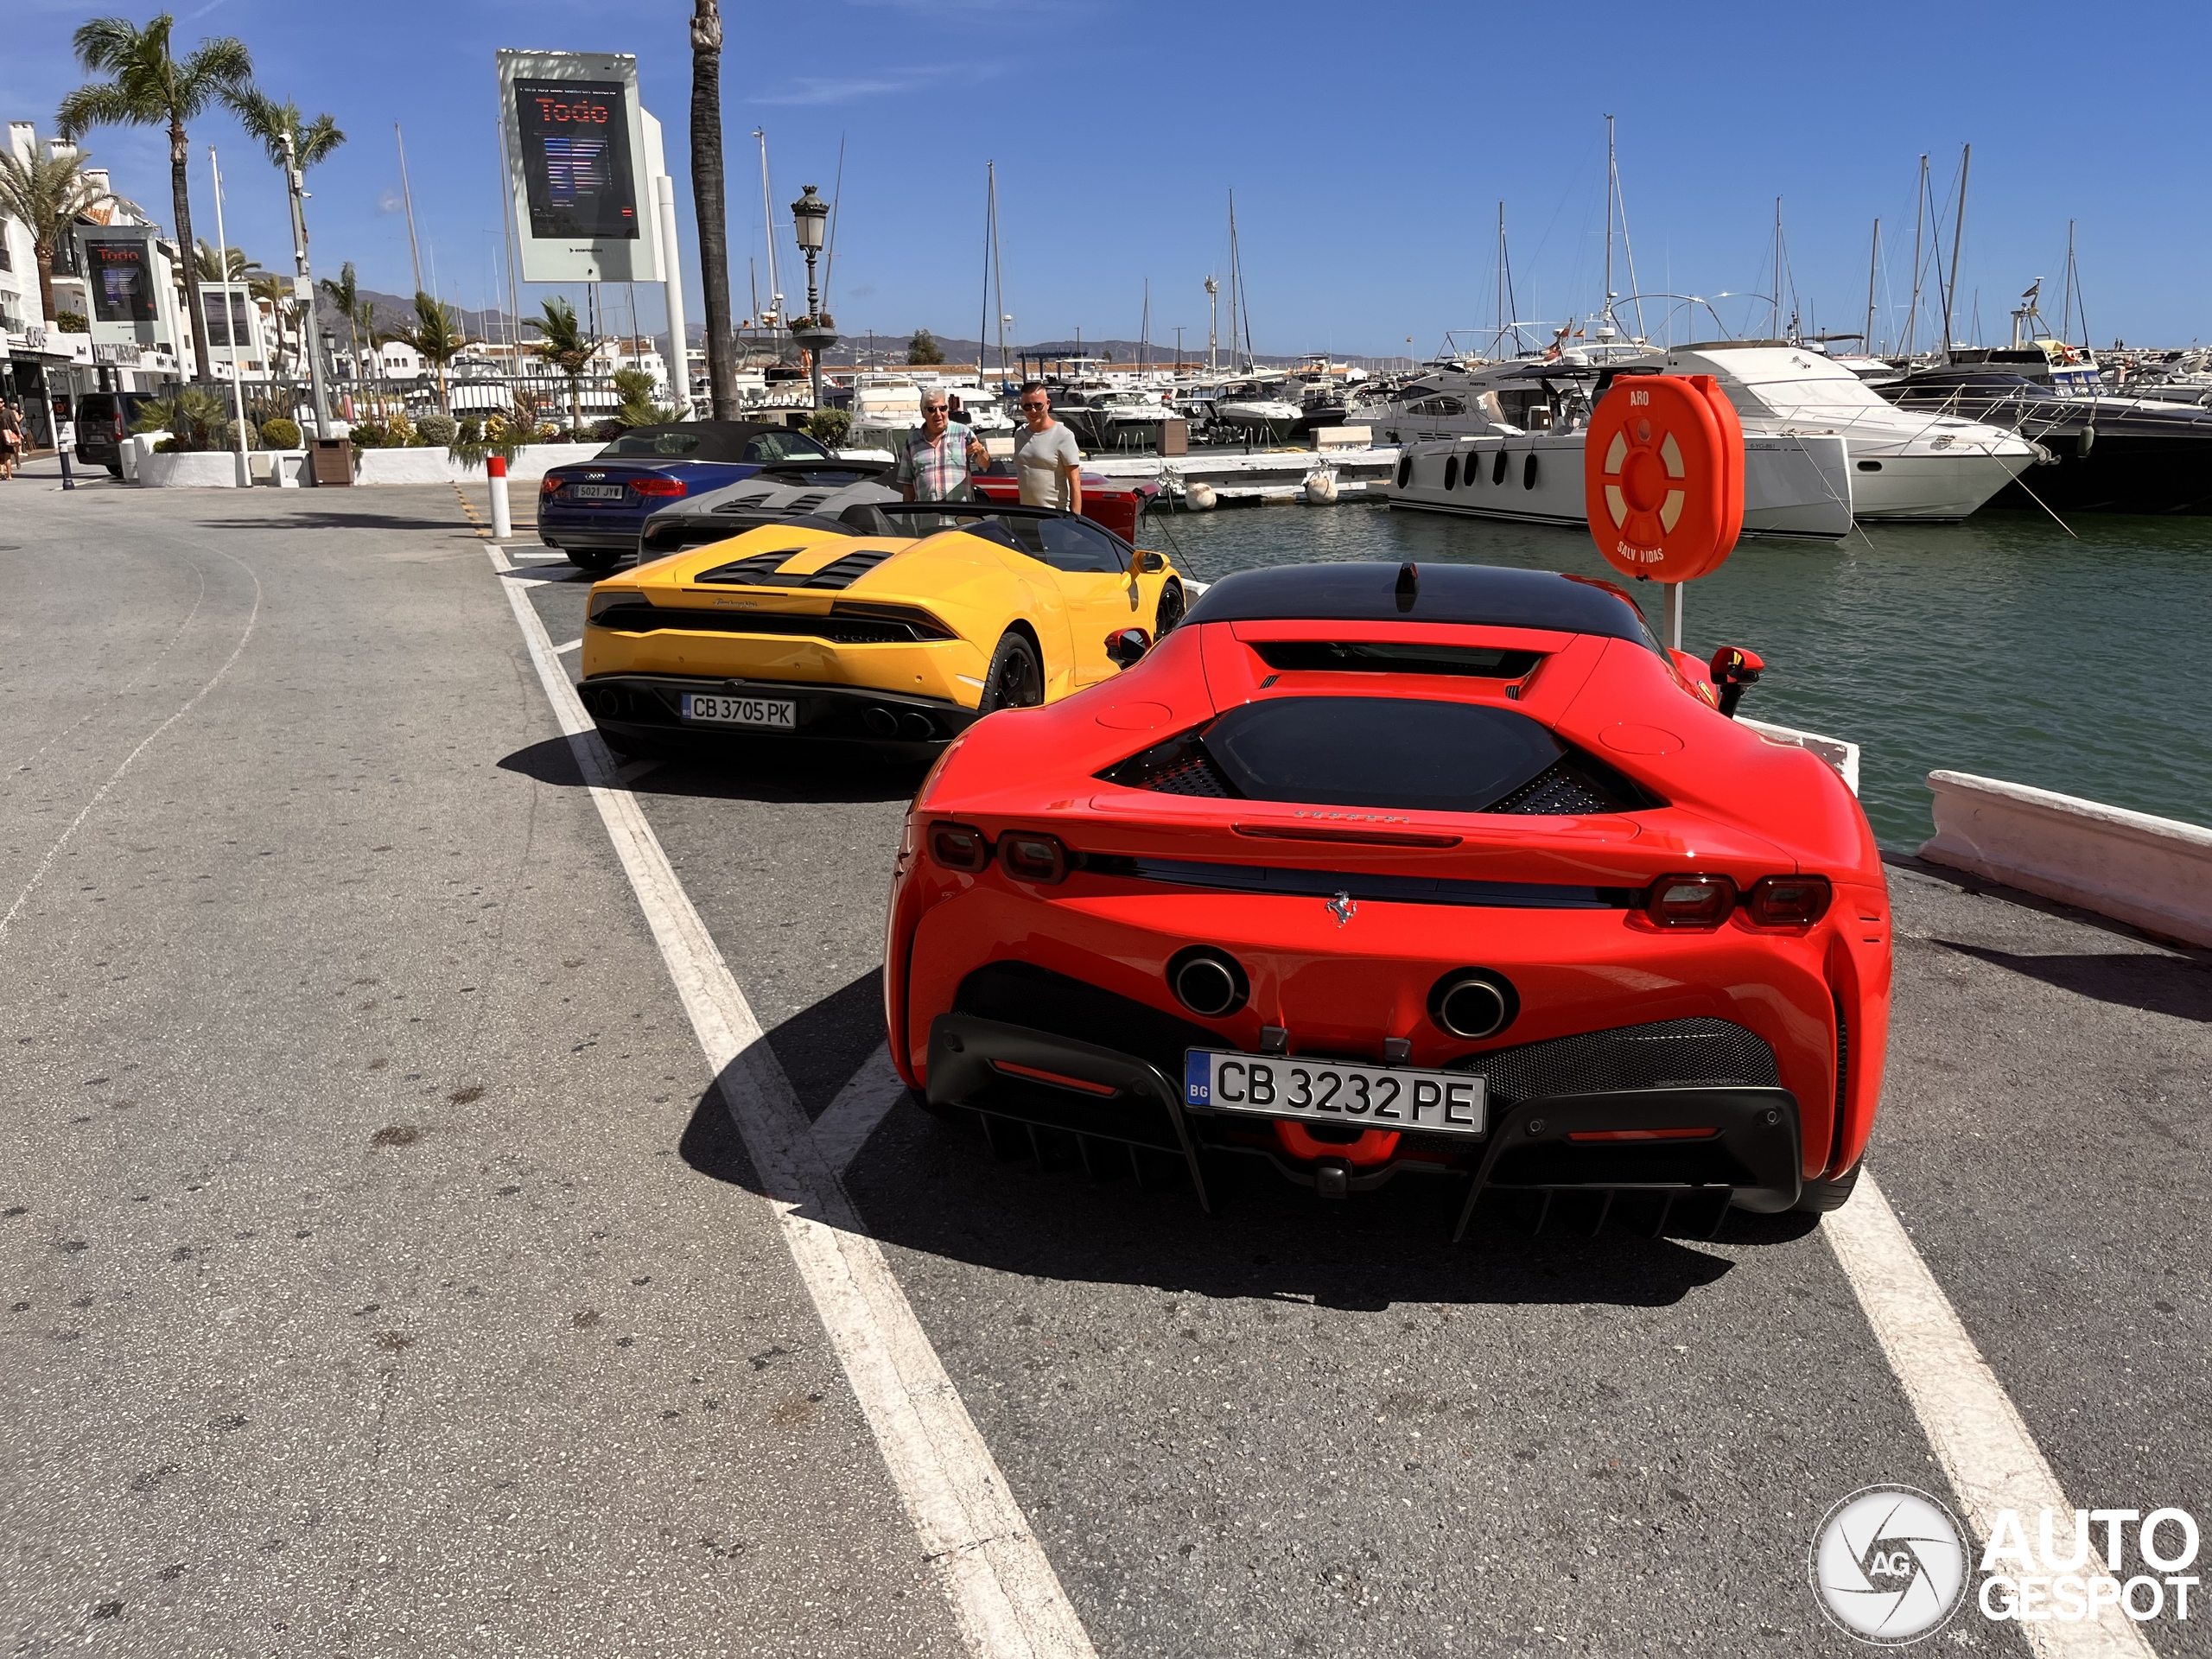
[1368, 146]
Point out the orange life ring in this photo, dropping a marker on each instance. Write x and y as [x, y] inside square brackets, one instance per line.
[1662, 476]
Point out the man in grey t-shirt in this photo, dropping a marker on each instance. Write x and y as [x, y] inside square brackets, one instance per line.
[1045, 457]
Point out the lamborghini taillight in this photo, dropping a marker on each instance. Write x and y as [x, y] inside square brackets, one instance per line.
[1690, 900]
[1787, 900]
[960, 847]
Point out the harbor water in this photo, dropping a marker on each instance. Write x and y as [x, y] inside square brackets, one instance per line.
[2003, 646]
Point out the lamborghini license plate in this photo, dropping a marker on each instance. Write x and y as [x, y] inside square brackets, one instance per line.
[780, 713]
[1331, 1091]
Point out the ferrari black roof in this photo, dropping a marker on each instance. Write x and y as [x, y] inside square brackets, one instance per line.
[1436, 592]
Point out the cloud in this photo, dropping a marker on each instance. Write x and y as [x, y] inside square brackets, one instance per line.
[391, 202]
[811, 89]
[861, 293]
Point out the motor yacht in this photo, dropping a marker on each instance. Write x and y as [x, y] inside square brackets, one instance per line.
[887, 409]
[1906, 465]
[2148, 453]
[1505, 441]
[1258, 409]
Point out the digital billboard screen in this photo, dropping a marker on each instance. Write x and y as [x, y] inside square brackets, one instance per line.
[122, 285]
[576, 158]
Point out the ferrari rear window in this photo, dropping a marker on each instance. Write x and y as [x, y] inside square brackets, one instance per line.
[1404, 753]
[1394, 656]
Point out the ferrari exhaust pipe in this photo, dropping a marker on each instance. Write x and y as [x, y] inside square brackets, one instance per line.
[1473, 1003]
[1207, 982]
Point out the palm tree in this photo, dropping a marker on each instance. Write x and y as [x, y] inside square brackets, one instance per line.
[149, 88]
[45, 194]
[437, 336]
[713, 213]
[345, 293]
[564, 344]
[230, 265]
[270, 121]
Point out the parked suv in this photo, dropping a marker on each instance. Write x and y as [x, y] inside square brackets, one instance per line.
[103, 418]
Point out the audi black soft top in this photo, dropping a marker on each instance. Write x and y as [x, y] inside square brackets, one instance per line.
[1375, 592]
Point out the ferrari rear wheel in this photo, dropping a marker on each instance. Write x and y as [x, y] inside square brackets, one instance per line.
[1820, 1196]
[1170, 612]
[1015, 679]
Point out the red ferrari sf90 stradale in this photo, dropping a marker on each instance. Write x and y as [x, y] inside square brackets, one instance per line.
[1373, 871]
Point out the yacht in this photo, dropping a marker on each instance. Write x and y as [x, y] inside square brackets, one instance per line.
[1505, 441]
[886, 408]
[2151, 453]
[1906, 465]
[1256, 408]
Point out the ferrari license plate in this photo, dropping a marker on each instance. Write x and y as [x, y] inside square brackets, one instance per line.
[779, 712]
[1331, 1091]
[599, 492]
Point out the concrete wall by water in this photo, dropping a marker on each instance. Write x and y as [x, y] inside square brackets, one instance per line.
[2156, 872]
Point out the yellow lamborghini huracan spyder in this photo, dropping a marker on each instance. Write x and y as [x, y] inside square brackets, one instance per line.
[818, 628]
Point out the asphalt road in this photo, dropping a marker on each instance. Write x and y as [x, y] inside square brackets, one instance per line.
[384, 1275]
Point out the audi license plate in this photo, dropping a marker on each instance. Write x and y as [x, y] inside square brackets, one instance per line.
[780, 713]
[599, 492]
[1330, 1091]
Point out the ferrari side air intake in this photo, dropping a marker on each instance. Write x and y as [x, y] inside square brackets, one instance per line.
[1207, 982]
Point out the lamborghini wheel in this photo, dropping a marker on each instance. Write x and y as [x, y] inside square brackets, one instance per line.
[1015, 679]
[1170, 612]
[1820, 1196]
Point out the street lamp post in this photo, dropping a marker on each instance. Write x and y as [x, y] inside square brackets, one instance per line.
[810, 215]
[302, 283]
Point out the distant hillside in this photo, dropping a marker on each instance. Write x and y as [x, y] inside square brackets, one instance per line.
[394, 311]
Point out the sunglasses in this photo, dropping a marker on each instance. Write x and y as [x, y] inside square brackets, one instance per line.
[936, 409]
[1036, 405]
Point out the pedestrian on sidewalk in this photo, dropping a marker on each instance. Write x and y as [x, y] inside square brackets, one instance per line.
[935, 463]
[11, 438]
[1045, 458]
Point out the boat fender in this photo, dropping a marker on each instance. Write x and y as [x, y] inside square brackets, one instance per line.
[1662, 476]
[1497, 466]
[1451, 472]
[1201, 496]
[1321, 488]
[2088, 439]
[1405, 471]
[1528, 471]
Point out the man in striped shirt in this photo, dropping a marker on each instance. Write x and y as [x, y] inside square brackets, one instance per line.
[934, 464]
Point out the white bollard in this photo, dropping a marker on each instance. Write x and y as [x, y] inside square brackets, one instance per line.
[502, 525]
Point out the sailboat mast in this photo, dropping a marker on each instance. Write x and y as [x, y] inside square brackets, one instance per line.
[983, 328]
[1958, 236]
[1919, 208]
[1144, 336]
[1873, 263]
[1236, 286]
[998, 273]
[1775, 333]
[1498, 338]
[1609, 217]
[768, 229]
[2065, 306]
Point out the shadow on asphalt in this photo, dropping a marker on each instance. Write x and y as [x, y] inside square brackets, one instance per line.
[338, 521]
[2173, 985]
[740, 774]
[936, 1187]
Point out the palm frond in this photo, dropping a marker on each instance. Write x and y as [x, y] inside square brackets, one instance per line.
[102, 106]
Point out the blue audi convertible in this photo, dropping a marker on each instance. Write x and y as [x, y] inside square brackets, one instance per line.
[594, 511]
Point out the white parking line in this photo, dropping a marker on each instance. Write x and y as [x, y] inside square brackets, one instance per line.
[1978, 1434]
[562, 651]
[860, 1105]
[1006, 1600]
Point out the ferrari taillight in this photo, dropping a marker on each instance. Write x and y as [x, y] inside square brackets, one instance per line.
[1690, 900]
[958, 847]
[658, 486]
[1789, 900]
[1031, 857]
